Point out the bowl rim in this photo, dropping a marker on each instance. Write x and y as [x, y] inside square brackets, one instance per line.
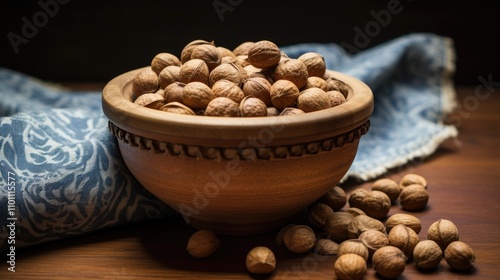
[229, 131]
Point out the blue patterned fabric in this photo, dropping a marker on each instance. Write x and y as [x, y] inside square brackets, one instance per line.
[62, 174]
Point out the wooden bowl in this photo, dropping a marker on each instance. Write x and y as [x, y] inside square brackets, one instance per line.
[237, 176]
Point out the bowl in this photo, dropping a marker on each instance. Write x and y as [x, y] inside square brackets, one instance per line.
[237, 176]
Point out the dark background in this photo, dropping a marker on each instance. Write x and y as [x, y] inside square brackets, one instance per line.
[95, 41]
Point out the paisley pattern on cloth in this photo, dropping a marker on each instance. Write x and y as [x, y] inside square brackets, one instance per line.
[62, 173]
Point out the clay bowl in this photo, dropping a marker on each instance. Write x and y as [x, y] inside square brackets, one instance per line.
[237, 176]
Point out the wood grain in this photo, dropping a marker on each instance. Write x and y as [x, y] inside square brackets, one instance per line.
[463, 177]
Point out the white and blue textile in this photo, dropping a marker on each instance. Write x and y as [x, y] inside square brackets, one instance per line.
[62, 173]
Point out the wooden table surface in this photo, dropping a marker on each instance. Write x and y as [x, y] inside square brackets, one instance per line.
[464, 187]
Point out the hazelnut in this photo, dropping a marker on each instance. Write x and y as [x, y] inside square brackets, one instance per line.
[260, 260]
[264, 54]
[289, 111]
[208, 53]
[188, 49]
[226, 88]
[404, 219]
[414, 197]
[258, 87]
[373, 240]
[162, 60]
[443, 232]
[376, 204]
[150, 100]
[169, 75]
[336, 198]
[336, 225]
[336, 97]
[177, 108]
[317, 214]
[459, 256]
[427, 254]
[410, 179]
[197, 95]
[350, 266]
[389, 262]
[356, 198]
[252, 107]
[326, 247]
[293, 70]
[146, 81]
[194, 70]
[388, 186]
[353, 246]
[299, 239]
[313, 99]
[315, 63]
[173, 92]
[362, 223]
[202, 244]
[222, 107]
[404, 238]
[283, 93]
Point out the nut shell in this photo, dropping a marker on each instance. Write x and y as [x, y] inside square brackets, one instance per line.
[264, 54]
[459, 256]
[427, 254]
[354, 246]
[374, 240]
[390, 187]
[411, 178]
[362, 223]
[389, 262]
[202, 244]
[258, 87]
[376, 204]
[299, 239]
[350, 266]
[260, 260]
[317, 214]
[336, 198]
[162, 60]
[222, 107]
[252, 107]
[443, 232]
[313, 99]
[146, 81]
[194, 70]
[293, 70]
[283, 93]
[404, 219]
[336, 225]
[197, 95]
[404, 238]
[315, 63]
[414, 197]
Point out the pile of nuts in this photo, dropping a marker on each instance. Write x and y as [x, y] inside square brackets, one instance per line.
[254, 79]
[357, 235]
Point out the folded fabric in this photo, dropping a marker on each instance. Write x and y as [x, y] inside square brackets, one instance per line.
[62, 173]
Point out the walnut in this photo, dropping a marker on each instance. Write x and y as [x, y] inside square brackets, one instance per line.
[404, 238]
[146, 81]
[194, 70]
[403, 219]
[289, 111]
[459, 256]
[150, 100]
[350, 266]
[197, 95]
[283, 93]
[389, 262]
[336, 97]
[252, 107]
[316, 82]
[413, 197]
[353, 211]
[326, 247]
[169, 75]
[188, 49]
[299, 239]
[388, 186]
[226, 88]
[317, 214]
[264, 54]
[427, 254]
[258, 87]
[293, 70]
[281, 233]
[353, 246]
[222, 107]
[208, 53]
[336, 198]
[228, 71]
[242, 49]
[177, 108]
[356, 197]
[260, 260]
[443, 231]
[373, 240]
[410, 179]
[334, 84]
[272, 111]
[313, 99]
[315, 63]
[336, 225]
[376, 204]
[162, 60]
[173, 92]
[362, 223]
[202, 244]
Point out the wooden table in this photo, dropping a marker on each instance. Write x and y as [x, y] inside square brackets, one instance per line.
[464, 187]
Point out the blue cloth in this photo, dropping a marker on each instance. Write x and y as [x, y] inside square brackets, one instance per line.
[62, 173]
